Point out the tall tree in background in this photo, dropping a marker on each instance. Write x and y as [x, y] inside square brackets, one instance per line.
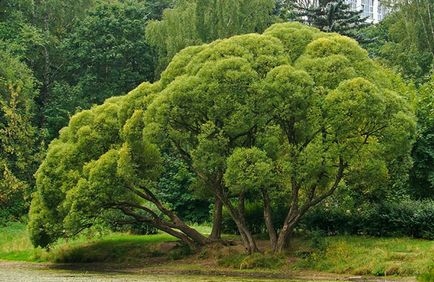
[19, 138]
[105, 55]
[36, 29]
[330, 16]
[405, 42]
[193, 22]
[405, 39]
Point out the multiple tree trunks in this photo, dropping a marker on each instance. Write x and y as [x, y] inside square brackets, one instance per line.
[278, 241]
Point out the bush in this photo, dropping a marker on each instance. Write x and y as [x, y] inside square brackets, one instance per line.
[405, 218]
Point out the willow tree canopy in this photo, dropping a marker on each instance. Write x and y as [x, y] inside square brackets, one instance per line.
[311, 106]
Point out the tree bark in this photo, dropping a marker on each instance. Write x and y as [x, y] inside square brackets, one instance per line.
[176, 222]
[217, 220]
[269, 220]
[159, 224]
[284, 233]
[296, 212]
[239, 219]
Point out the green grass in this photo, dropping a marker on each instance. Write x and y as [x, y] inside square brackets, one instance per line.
[15, 243]
[112, 247]
[368, 256]
[356, 255]
[254, 261]
[427, 277]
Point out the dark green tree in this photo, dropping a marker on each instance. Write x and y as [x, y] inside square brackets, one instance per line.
[105, 55]
[34, 30]
[331, 16]
[422, 173]
[175, 187]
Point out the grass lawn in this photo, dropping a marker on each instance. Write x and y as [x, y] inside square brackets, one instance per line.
[362, 255]
[15, 243]
[113, 247]
[355, 255]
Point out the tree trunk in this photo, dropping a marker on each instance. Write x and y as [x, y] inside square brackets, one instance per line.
[176, 222]
[159, 224]
[269, 220]
[239, 220]
[283, 238]
[190, 232]
[217, 220]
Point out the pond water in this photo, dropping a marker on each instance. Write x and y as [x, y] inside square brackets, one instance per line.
[13, 272]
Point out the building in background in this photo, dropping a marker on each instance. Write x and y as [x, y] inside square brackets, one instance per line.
[372, 9]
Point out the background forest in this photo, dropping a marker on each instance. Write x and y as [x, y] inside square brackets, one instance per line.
[58, 57]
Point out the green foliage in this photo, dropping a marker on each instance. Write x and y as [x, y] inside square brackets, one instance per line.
[422, 173]
[175, 188]
[34, 30]
[404, 39]
[248, 169]
[312, 105]
[20, 144]
[254, 261]
[406, 218]
[195, 22]
[104, 55]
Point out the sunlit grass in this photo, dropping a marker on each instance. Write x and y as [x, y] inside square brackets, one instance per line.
[371, 256]
[15, 243]
[110, 247]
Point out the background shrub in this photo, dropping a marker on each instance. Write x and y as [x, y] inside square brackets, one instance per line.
[407, 218]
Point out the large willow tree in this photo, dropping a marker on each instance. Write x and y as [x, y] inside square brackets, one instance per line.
[286, 117]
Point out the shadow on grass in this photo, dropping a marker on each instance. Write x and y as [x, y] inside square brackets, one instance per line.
[134, 250]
